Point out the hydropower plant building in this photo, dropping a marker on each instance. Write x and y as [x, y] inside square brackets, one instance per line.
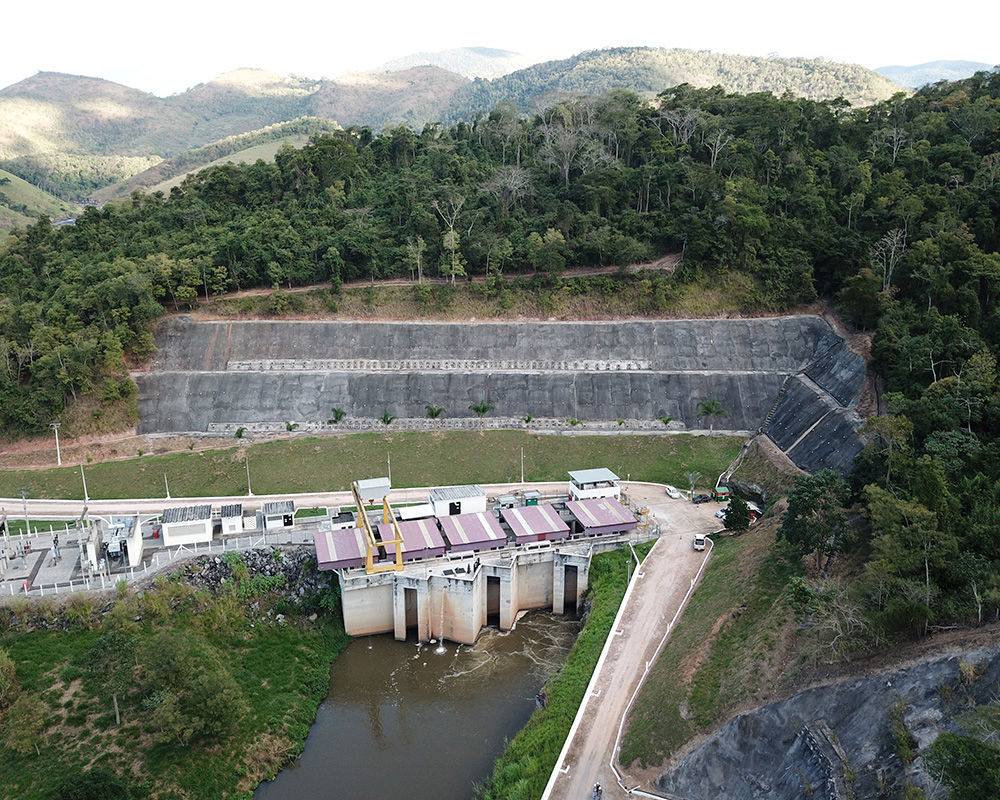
[453, 574]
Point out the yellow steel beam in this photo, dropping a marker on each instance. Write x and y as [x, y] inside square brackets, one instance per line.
[372, 542]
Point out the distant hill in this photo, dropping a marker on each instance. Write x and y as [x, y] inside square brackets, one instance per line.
[76, 136]
[649, 71]
[21, 203]
[413, 97]
[933, 71]
[469, 62]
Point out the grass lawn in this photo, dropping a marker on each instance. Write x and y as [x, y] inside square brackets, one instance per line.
[418, 459]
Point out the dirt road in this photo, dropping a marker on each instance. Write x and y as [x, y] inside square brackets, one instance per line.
[660, 587]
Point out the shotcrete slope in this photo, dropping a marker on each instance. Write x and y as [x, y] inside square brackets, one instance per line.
[210, 375]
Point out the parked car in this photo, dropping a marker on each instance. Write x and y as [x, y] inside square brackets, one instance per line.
[699, 541]
[672, 492]
[700, 498]
[721, 513]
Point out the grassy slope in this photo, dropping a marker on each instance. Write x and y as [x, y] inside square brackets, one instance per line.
[281, 669]
[21, 193]
[731, 645]
[609, 296]
[418, 459]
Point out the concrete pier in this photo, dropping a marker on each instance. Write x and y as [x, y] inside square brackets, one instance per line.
[455, 599]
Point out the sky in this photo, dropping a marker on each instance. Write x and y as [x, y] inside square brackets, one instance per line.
[166, 48]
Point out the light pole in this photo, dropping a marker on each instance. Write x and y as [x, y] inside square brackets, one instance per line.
[166, 485]
[23, 491]
[522, 465]
[388, 461]
[246, 461]
[55, 427]
[83, 475]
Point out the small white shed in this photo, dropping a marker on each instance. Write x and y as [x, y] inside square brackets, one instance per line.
[586, 484]
[279, 515]
[449, 501]
[186, 525]
[232, 518]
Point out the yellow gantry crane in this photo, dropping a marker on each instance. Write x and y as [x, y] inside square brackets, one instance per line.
[372, 541]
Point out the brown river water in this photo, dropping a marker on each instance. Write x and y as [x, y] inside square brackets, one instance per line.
[423, 721]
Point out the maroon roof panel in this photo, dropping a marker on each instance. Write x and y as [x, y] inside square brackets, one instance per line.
[477, 531]
[535, 523]
[340, 549]
[602, 515]
[421, 538]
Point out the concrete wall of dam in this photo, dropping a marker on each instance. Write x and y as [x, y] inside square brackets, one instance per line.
[792, 376]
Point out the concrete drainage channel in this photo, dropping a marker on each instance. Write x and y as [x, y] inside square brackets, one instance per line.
[216, 377]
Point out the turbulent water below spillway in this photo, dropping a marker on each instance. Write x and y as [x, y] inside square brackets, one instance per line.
[835, 742]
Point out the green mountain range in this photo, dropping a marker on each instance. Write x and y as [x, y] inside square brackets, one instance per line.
[82, 138]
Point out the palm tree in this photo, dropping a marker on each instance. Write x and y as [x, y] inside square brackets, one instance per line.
[386, 418]
[711, 408]
[481, 408]
[433, 412]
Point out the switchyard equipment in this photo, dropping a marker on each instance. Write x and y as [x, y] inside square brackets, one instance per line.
[372, 542]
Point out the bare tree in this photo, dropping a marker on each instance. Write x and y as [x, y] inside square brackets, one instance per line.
[509, 185]
[717, 142]
[448, 209]
[894, 138]
[562, 147]
[683, 123]
[886, 254]
[415, 248]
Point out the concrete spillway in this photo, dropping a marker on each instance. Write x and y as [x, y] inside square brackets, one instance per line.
[210, 375]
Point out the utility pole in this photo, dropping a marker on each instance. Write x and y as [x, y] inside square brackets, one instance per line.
[55, 427]
[83, 475]
[166, 485]
[23, 491]
[522, 465]
[388, 460]
[246, 460]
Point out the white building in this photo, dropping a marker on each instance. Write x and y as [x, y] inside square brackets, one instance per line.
[186, 525]
[585, 484]
[279, 515]
[449, 501]
[232, 519]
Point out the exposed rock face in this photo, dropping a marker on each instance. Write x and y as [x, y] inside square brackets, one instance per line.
[826, 741]
[297, 567]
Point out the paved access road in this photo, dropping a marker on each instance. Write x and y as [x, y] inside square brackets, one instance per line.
[662, 582]
[71, 509]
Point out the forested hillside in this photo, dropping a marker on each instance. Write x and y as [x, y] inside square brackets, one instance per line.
[74, 136]
[646, 70]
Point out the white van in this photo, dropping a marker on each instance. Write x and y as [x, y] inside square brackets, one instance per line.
[699, 541]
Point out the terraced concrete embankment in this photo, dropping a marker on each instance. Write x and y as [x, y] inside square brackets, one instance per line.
[219, 375]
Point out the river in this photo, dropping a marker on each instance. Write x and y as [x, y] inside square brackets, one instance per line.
[423, 721]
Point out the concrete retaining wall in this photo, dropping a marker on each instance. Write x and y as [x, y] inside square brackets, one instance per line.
[214, 374]
[190, 401]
